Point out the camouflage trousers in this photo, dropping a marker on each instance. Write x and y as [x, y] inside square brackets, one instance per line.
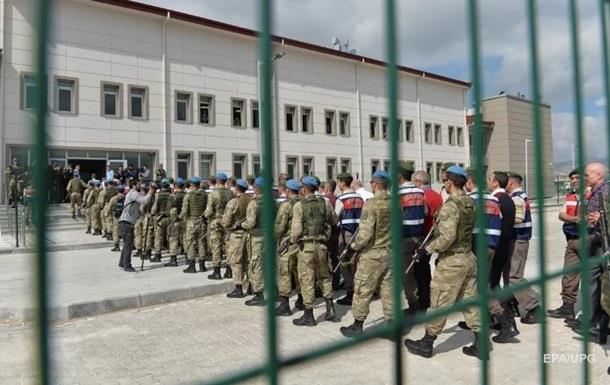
[143, 234]
[137, 234]
[175, 231]
[255, 263]
[108, 217]
[216, 239]
[193, 241]
[373, 272]
[14, 190]
[409, 281]
[88, 216]
[348, 268]
[75, 202]
[236, 255]
[314, 264]
[96, 218]
[454, 279]
[286, 270]
[116, 237]
[160, 228]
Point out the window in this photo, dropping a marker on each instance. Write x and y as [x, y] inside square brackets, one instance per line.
[206, 109]
[401, 136]
[438, 134]
[374, 127]
[111, 100]
[238, 117]
[138, 101]
[451, 133]
[183, 165]
[375, 164]
[183, 107]
[308, 166]
[206, 165]
[306, 120]
[344, 123]
[346, 165]
[256, 165]
[255, 114]
[291, 118]
[329, 122]
[65, 95]
[331, 168]
[384, 128]
[437, 173]
[409, 137]
[239, 165]
[430, 170]
[428, 133]
[386, 165]
[291, 166]
[28, 91]
[460, 136]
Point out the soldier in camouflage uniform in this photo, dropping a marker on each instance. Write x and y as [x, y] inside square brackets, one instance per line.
[107, 216]
[99, 208]
[373, 245]
[164, 202]
[137, 228]
[84, 205]
[192, 212]
[148, 225]
[15, 184]
[253, 224]
[94, 212]
[235, 214]
[456, 271]
[214, 211]
[312, 219]
[75, 188]
[176, 225]
[287, 260]
[119, 198]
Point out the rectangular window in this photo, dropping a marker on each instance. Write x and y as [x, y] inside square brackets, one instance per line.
[183, 165]
[206, 165]
[331, 168]
[384, 128]
[386, 165]
[460, 136]
[428, 133]
[183, 107]
[238, 113]
[409, 137]
[256, 165]
[307, 120]
[111, 100]
[308, 166]
[437, 171]
[239, 166]
[438, 139]
[206, 109]
[291, 118]
[138, 102]
[401, 135]
[65, 95]
[451, 133]
[28, 91]
[291, 167]
[346, 165]
[255, 114]
[344, 124]
[430, 170]
[330, 122]
[375, 164]
[373, 127]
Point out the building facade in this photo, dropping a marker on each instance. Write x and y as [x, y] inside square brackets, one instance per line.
[135, 84]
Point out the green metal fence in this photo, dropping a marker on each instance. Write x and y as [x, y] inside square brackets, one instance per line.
[274, 363]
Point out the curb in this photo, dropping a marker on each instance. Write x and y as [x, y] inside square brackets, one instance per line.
[85, 246]
[67, 312]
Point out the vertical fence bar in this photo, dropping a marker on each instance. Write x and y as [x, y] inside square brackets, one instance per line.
[395, 212]
[17, 223]
[584, 252]
[604, 13]
[268, 212]
[482, 263]
[41, 186]
[539, 151]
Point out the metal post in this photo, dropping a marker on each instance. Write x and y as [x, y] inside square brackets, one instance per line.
[527, 164]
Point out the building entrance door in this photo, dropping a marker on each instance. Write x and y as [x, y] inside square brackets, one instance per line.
[90, 166]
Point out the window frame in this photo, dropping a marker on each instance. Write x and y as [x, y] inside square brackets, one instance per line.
[347, 133]
[451, 134]
[375, 135]
[386, 121]
[189, 107]
[312, 166]
[409, 127]
[119, 100]
[244, 167]
[145, 99]
[310, 124]
[243, 113]
[289, 158]
[73, 96]
[23, 88]
[333, 123]
[377, 163]
[295, 119]
[212, 165]
[256, 159]
[428, 130]
[256, 121]
[440, 134]
[459, 136]
[429, 167]
[211, 113]
[349, 168]
[334, 167]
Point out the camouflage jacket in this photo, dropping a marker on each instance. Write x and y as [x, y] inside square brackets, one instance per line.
[374, 230]
[454, 226]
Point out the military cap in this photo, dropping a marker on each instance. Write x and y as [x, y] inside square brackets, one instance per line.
[250, 178]
[171, 180]
[282, 183]
[180, 181]
[293, 185]
[309, 181]
[573, 172]
[407, 166]
[259, 182]
[381, 174]
[471, 171]
[242, 183]
[515, 175]
[457, 170]
[221, 176]
[447, 165]
[120, 188]
[344, 175]
[195, 180]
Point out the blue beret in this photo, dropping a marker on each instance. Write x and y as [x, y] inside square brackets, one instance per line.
[293, 185]
[195, 180]
[381, 174]
[242, 183]
[180, 181]
[221, 176]
[457, 170]
[309, 181]
[259, 182]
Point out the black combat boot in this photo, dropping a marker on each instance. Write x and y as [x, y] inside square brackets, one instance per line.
[191, 267]
[532, 316]
[73, 216]
[330, 310]
[508, 329]
[116, 247]
[473, 350]
[138, 253]
[157, 258]
[347, 300]
[421, 347]
[121, 265]
[284, 308]
[216, 274]
[147, 254]
[353, 329]
[97, 232]
[566, 310]
[202, 267]
[298, 304]
[236, 293]
[257, 300]
[88, 230]
[604, 320]
[305, 320]
[228, 273]
[173, 261]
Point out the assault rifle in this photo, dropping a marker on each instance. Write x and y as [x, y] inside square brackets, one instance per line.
[284, 247]
[415, 257]
[346, 250]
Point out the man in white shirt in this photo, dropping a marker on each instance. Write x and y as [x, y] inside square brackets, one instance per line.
[359, 189]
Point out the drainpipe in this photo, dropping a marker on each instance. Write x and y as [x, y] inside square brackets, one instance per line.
[3, 148]
[420, 124]
[359, 119]
[165, 154]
